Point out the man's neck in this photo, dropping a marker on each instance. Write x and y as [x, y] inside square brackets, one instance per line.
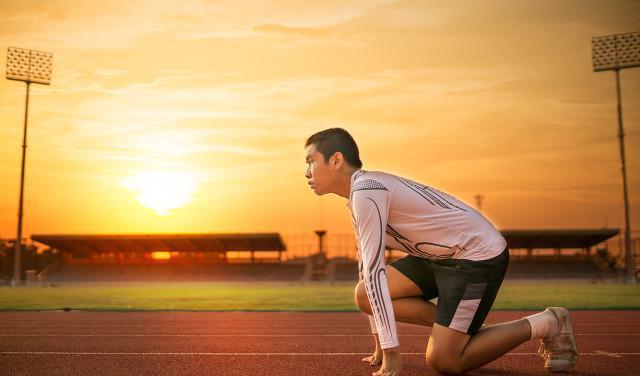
[345, 183]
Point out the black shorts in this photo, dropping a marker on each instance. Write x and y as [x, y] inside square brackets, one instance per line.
[465, 289]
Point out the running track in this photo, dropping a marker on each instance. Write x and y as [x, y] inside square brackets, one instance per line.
[268, 343]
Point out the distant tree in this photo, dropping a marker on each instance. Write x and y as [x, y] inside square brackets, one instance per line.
[6, 259]
[31, 259]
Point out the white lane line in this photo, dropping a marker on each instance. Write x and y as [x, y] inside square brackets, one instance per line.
[269, 335]
[196, 335]
[57, 325]
[246, 325]
[608, 334]
[597, 353]
[609, 354]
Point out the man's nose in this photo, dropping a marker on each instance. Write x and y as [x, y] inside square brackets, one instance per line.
[307, 174]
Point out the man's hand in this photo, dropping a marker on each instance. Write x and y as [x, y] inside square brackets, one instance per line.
[376, 358]
[391, 363]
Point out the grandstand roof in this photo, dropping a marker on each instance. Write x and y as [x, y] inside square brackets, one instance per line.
[557, 239]
[85, 244]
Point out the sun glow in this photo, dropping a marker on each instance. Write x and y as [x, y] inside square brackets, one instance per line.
[161, 255]
[162, 191]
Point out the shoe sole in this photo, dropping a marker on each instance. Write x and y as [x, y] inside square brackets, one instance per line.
[560, 365]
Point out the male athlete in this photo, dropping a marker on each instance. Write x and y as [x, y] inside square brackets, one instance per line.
[454, 254]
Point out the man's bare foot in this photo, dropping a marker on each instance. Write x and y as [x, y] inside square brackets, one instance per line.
[375, 359]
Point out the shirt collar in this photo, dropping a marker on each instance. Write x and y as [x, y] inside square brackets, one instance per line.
[355, 174]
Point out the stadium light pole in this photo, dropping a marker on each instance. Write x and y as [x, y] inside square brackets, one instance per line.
[30, 67]
[616, 52]
[479, 198]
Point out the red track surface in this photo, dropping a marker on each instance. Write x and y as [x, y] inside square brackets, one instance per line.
[254, 343]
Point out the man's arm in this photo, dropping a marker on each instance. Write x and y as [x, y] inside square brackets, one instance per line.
[372, 322]
[376, 358]
[370, 202]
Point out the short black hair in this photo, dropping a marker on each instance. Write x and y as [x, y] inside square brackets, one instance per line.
[332, 140]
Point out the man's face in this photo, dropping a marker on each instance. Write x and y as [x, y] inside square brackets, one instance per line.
[319, 172]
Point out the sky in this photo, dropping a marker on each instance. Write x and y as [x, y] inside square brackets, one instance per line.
[191, 117]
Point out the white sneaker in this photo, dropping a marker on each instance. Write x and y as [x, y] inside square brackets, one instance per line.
[559, 350]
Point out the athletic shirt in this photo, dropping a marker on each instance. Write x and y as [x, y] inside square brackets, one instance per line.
[394, 212]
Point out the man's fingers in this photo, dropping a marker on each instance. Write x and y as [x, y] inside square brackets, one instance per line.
[372, 360]
[384, 372]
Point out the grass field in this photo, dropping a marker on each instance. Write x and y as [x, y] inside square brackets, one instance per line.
[271, 296]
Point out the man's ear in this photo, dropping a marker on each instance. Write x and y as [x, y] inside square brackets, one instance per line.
[338, 160]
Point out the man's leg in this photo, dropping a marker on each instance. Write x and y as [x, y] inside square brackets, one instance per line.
[467, 292]
[407, 299]
[452, 352]
[449, 350]
[408, 303]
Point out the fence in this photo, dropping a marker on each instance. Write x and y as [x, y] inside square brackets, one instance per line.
[335, 245]
[616, 250]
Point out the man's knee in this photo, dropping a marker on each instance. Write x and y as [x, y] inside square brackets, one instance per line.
[445, 364]
[362, 301]
[445, 349]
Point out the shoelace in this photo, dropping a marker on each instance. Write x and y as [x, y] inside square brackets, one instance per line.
[547, 347]
[555, 345]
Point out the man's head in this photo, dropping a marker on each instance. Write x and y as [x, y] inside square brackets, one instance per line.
[332, 155]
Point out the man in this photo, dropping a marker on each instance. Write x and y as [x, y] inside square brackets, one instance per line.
[454, 254]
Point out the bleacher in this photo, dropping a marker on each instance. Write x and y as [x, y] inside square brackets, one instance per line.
[551, 269]
[346, 271]
[559, 254]
[536, 254]
[566, 268]
[519, 269]
[188, 257]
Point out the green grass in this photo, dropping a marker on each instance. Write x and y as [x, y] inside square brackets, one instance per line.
[182, 296]
[287, 296]
[574, 296]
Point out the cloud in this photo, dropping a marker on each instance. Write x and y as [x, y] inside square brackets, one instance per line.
[105, 72]
[289, 30]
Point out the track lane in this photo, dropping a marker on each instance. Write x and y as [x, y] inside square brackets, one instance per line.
[241, 343]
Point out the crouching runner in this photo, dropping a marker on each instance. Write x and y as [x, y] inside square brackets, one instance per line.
[454, 254]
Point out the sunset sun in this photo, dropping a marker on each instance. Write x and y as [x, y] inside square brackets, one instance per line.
[162, 191]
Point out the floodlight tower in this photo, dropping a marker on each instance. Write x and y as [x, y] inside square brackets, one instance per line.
[616, 52]
[479, 198]
[30, 67]
[321, 233]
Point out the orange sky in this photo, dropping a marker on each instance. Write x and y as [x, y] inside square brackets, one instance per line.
[489, 97]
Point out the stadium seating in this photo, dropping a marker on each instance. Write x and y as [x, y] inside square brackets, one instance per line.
[563, 268]
[341, 269]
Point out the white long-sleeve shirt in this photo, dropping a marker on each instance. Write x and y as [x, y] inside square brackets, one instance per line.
[390, 211]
